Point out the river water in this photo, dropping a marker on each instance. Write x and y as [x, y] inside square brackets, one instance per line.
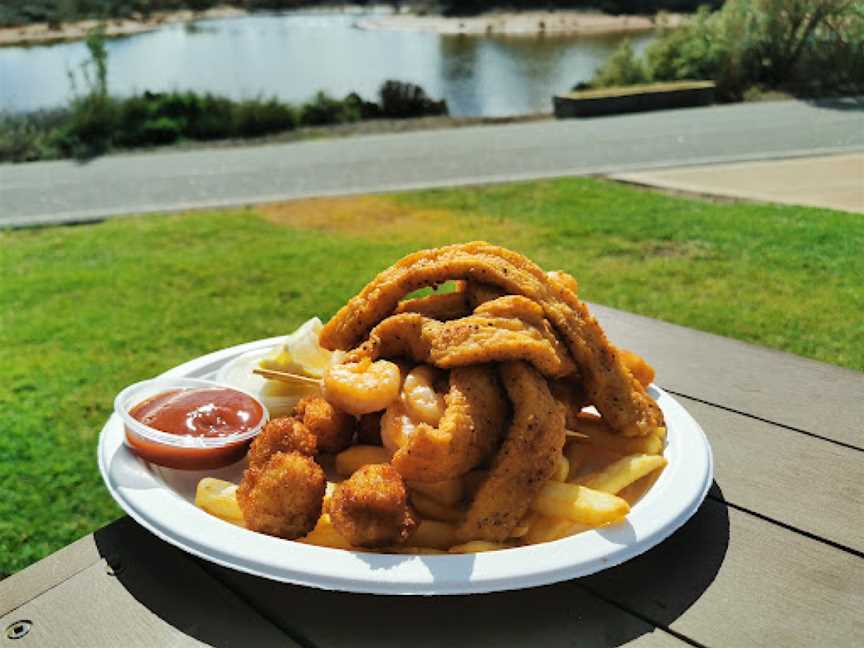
[294, 55]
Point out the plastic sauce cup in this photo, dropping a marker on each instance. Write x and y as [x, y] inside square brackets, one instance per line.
[182, 451]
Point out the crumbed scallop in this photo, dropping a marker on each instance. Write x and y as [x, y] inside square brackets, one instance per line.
[333, 429]
[283, 497]
[284, 434]
[370, 509]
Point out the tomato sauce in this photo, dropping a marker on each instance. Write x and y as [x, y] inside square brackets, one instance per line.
[209, 412]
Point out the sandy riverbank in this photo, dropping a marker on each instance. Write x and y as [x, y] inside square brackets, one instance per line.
[43, 33]
[525, 23]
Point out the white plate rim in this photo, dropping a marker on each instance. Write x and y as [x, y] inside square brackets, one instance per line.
[671, 501]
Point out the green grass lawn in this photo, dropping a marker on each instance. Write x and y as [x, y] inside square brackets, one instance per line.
[86, 310]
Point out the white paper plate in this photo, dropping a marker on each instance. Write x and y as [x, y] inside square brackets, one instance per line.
[161, 500]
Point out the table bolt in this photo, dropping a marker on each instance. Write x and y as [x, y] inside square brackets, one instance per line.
[113, 565]
[18, 629]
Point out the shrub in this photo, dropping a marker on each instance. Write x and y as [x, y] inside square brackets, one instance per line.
[24, 138]
[622, 68]
[214, 118]
[324, 110]
[256, 117]
[401, 100]
[90, 128]
[801, 46]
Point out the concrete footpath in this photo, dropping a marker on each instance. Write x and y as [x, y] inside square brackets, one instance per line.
[835, 182]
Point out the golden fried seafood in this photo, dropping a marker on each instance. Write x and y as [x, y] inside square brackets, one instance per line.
[421, 400]
[333, 428]
[370, 509]
[570, 393]
[363, 386]
[479, 293]
[283, 497]
[283, 434]
[467, 434]
[641, 370]
[564, 279]
[509, 328]
[526, 461]
[612, 388]
[441, 307]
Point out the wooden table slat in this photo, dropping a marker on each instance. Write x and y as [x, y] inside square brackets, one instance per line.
[155, 595]
[793, 478]
[41, 576]
[767, 587]
[780, 387]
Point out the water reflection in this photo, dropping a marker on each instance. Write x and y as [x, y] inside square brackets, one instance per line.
[294, 55]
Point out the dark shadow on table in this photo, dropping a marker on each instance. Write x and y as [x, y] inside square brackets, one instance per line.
[606, 609]
[175, 588]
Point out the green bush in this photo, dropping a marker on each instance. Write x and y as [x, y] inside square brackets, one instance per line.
[401, 100]
[90, 129]
[622, 68]
[24, 138]
[805, 47]
[255, 117]
[324, 110]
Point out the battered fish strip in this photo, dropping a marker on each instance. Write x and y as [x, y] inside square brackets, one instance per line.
[610, 386]
[443, 307]
[509, 328]
[468, 433]
[526, 460]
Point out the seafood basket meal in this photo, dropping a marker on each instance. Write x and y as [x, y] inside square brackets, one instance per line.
[464, 400]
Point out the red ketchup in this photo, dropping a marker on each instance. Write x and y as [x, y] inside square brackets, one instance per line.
[213, 413]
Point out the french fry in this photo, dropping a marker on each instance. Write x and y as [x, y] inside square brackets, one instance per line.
[546, 529]
[562, 469]
[641, 370]
[478, 546]
[450, 491]
[579, 504]
[637, 489]
[575, 453]
[219, 498]
[350, 460]
[600, 434]
[433, 510]
[325, 535]
[620, 474]
[404, 549]
[434, 535]
[524, 525]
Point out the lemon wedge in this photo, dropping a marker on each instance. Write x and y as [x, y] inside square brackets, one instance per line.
[300, 353]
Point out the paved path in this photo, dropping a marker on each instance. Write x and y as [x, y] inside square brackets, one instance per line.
[835, 181]
[55, 192]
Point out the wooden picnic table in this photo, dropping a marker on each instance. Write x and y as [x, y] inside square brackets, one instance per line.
[774, 557]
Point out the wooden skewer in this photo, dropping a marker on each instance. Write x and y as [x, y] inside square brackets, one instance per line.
[284, 376]
[573, 433]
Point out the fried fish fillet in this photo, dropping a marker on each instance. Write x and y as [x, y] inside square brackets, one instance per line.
[467, 434]
[509, 328]
[441, 307]
[526, 460]
[611, 387]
